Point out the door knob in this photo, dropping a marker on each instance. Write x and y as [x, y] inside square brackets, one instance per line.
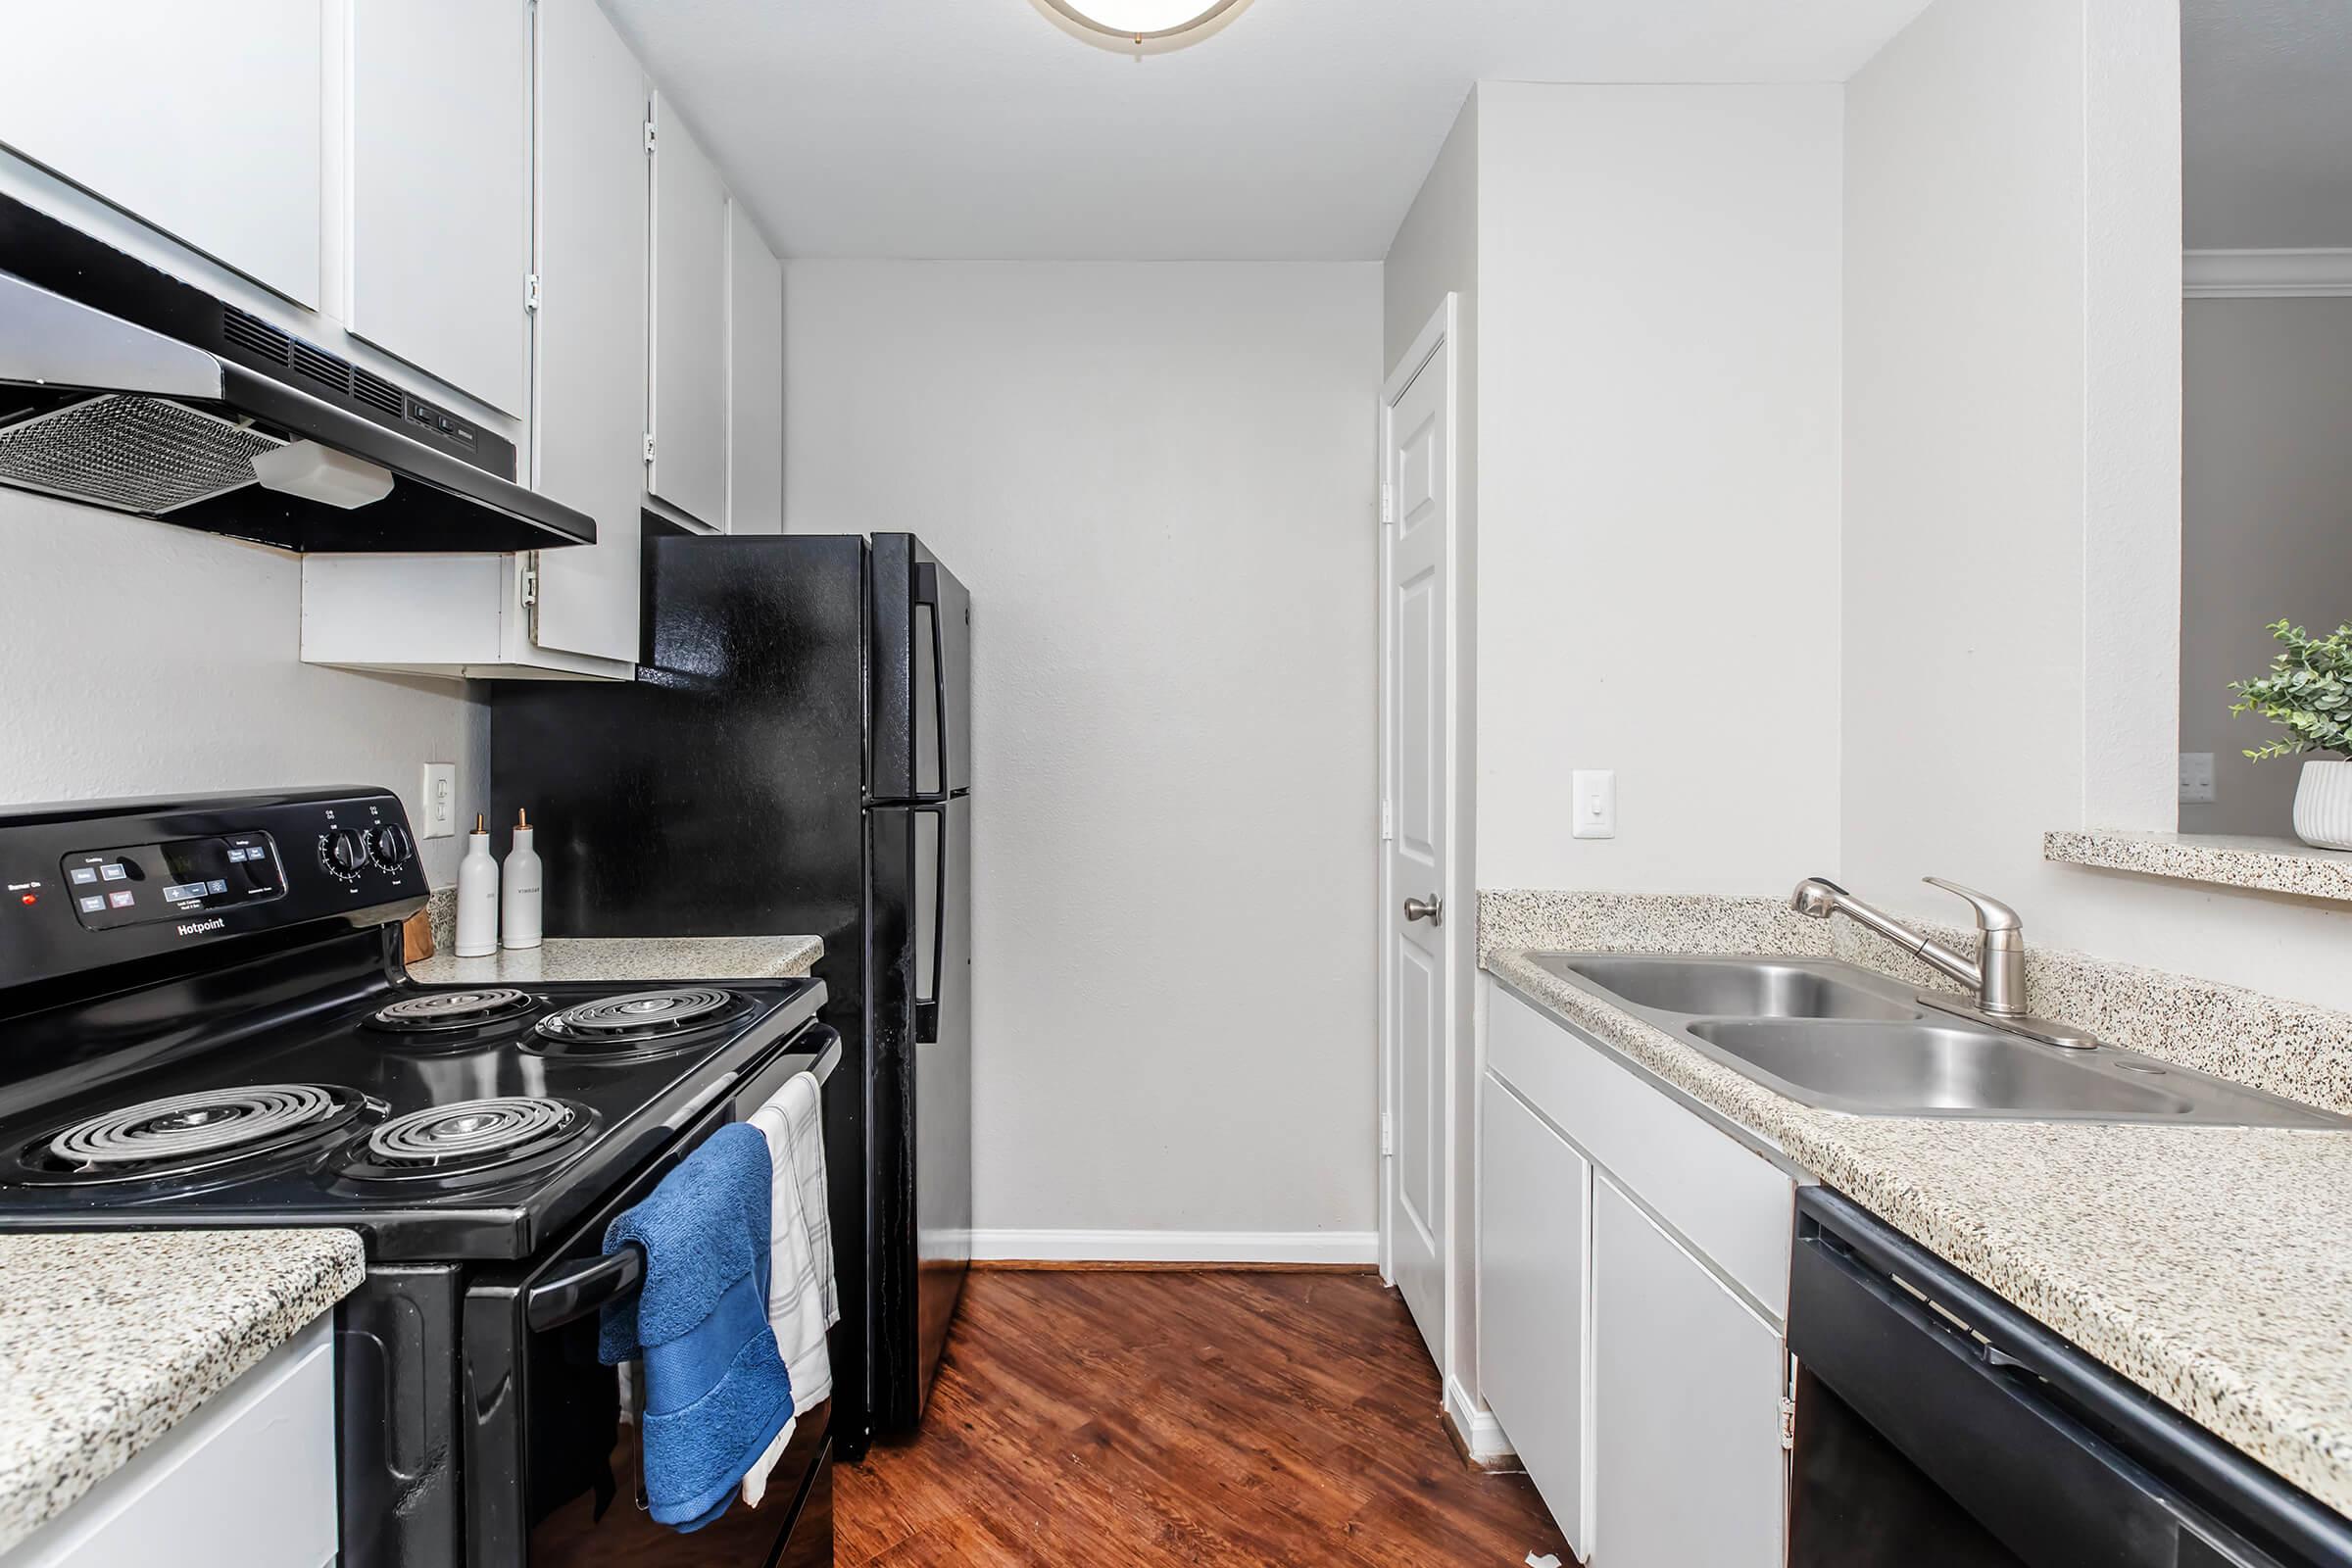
[1430, 909]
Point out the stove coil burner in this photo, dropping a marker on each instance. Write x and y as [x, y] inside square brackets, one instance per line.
[470, 1136]
[640, 1025]
[188, 1133]
[441, 1011]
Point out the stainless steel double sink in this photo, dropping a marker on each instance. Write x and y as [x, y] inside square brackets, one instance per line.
[1841, 1038]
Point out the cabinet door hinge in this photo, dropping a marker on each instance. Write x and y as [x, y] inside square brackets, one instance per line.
[530, 291]
[1788, 1424]
[1386, 1143]
[649, 139]
[531, 579]
[648, 445]
[1388, 821]
[1387, 502]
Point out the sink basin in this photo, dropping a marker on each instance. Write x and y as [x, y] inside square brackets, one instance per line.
[1727, 988]
[1935, 1070]
[1836, 1035]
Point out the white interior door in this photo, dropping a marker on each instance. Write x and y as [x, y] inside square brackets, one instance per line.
[1419, 931]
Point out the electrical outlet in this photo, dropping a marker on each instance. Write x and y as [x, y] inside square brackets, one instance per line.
[437, 801]
[2196, 777]
[1592, 802]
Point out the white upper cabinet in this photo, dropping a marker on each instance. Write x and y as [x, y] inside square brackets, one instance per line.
[755, 380]
[588, 422]
[440, 197]
[687, 420]
[205, 122]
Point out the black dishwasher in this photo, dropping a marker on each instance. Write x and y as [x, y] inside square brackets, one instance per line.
[1939, 1427]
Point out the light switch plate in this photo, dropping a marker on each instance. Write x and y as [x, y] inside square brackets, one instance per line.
[2196, 777]
[1592, 802]
[437, 801]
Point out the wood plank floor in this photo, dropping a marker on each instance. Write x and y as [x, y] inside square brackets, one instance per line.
[1212, 1418]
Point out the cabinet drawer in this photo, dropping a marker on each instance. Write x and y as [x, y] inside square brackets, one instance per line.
[1731, 1203]
[245, 1481]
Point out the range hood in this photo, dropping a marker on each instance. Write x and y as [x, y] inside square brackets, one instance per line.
[124, 387]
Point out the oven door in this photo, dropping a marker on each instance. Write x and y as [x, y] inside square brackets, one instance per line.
[551, 1470]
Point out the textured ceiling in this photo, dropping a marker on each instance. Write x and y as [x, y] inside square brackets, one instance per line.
[2267, 122]
[977, 129]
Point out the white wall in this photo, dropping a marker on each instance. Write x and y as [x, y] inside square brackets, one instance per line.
[2012, 485]
[1157, 482]
[141, 659]
[1658, 482]
[2267, 527]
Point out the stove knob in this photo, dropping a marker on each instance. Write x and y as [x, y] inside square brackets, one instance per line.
[345, 852]
[393, 846]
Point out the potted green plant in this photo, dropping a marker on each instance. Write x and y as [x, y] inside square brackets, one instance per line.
[2308, 694]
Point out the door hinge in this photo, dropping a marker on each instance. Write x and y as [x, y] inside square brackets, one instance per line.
[530, 291]
[1387, 502]
[648, 445]
[531, 579]
[1386, 1143]
[1788, 1424]
[649, 139]
[1388, 821]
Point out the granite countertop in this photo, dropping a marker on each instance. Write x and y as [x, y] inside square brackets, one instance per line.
[627, 958]
[2236, 860]
[108, 1340]
[2210, 1265]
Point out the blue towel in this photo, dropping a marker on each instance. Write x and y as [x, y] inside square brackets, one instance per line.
[716, 1390]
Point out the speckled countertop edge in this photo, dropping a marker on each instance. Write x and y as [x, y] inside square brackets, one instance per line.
[2257, 864]
[2210, 1265]
[108, 1340]
[628, 959]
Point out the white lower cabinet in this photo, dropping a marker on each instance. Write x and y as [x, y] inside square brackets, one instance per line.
[1534, 1232]
[245, 1481]
[1687, 1466]
[1633, 1282]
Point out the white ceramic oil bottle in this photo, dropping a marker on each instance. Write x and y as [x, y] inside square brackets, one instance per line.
[478, 896]
[519, 890]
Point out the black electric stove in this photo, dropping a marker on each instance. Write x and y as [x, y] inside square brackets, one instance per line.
[203, 1021]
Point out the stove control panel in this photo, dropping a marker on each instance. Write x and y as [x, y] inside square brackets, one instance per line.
[130, 884]
[90, 885]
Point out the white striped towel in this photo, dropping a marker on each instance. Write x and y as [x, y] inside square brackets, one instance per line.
[803, 1301]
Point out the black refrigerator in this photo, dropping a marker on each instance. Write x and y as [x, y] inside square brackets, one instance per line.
[794, 755]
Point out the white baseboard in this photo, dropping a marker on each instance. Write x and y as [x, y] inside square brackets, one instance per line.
[1479, 1430]
[1176, 1246]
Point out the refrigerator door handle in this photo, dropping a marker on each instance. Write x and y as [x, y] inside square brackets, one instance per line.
[927, 1002]
[926, 595]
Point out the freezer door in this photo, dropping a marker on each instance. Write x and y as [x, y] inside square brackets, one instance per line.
[919, 1025]
[922, 664]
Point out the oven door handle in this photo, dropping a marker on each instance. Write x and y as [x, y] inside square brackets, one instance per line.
[573, 1291]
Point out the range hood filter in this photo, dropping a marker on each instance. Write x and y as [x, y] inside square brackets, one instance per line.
[132, 453]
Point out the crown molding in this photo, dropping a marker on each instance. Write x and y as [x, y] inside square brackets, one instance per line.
[2276, 275]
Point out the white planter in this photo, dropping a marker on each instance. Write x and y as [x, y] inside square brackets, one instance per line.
[2323, 805]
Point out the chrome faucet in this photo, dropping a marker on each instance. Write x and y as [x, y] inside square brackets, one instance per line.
[1998, 973]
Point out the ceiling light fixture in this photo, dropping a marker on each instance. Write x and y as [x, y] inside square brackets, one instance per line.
[1141, 27]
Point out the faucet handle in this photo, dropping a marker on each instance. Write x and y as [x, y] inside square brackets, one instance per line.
[1992, 913]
